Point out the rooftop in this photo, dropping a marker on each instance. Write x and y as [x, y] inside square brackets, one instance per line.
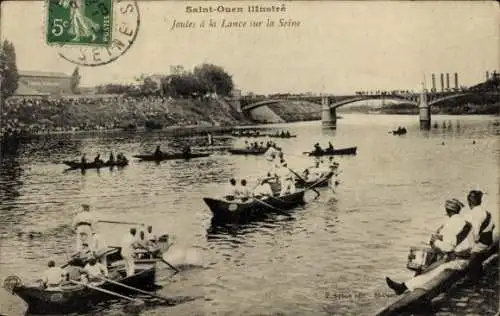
[28, 73]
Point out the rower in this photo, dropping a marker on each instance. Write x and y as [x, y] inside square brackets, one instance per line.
[187, 150]
[127, 251]
[232, 190]
[482, 228]
[330, 147]
[454, 239]
[84, 159]
[315, 172]
[244, 193]
[53, 276]
[158, 152]
[95, 271]
[263, 190]
[83, 223]
[287, 181]
[150, 236]
[111, 158]
[97, 159]
[317, 149]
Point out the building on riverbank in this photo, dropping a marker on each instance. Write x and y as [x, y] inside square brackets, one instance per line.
[39, 83]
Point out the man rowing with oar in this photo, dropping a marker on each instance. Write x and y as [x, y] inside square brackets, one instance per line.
[454, 239]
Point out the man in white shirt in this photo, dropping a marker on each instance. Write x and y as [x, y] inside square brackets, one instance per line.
[98, 246]
[287, 180]
[127, 251]
[263, 190]
[232, 191]
[454, 238]
[53, 276]
[244, 192]
[95, 270]
[150, 236]
[83, 224]
[483, 230]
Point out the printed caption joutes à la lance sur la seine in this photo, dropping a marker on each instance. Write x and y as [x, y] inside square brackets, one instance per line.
[226, 21]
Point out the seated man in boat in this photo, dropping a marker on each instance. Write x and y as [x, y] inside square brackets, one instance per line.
[317, 149]
[111, 159]
[83, 223]
[150, 236]
[244, 192]
[158, 152]
[483, 231]
[98, 159]
[287, 181]
[232, 190]
[287, 134]
[454, 239]
[53, 276]
[83, 159]
[186, 151]
[95, 270]
[330, 147]
[263, 190]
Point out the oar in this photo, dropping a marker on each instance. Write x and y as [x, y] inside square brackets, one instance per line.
[304, 181]
[134, 289]
[122, 222]
[163, 260]
[280, 211]
[107, 292]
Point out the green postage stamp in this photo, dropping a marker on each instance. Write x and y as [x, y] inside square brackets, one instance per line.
[82, 22]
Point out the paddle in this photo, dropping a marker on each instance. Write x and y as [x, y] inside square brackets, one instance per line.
[304, 181]
[280, 211]
[108, 292]
[163, 260]
[121, 222]
[134, 289]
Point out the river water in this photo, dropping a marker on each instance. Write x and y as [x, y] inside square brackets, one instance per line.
[330, 259]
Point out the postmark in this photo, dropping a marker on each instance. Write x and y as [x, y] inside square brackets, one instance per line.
[92, 32]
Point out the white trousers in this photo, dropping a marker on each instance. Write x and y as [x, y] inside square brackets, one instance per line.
[420, 281]
[129, 264]
[287, 187]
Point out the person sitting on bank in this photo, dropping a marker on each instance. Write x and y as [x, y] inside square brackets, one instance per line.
[232, 190]
[95, 271]
[244, 193]
[263, 190]
[53, 276]
[454, 240]
[483, 230]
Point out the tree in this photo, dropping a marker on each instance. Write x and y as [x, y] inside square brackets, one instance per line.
[75, 80]
[149, 86]
[214, 78]
[8, 69]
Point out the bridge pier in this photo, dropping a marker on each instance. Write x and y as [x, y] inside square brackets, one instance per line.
[424, 111]
[328, 115]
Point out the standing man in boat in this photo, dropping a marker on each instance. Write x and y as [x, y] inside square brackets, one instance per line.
[483, 230]
[232, 190]
[330, 147]
[455, 239]
[83, 223]
[129, 242]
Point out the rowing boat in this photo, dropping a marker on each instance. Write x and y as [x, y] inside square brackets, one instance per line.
[71, 298]
[166, 156]
[73, 164]
[319, 183]
[281, 136]
[417, 298]
[342, 151]
[253, 209]
[243, 151]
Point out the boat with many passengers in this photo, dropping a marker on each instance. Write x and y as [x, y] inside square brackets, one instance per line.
[333, 152]
[74, 164]
[73, 296]
[238, 211]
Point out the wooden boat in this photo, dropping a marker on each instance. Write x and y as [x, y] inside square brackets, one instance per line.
[321, 182]
[74, 164]
[73, 298]
[244, 151]
[419, 298]
[167, 156]
[253, 209]
[342, 151]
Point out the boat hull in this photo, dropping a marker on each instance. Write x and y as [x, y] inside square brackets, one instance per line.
[336, 152]
[79, 298]
[171, 156]
[92, 165]
[242, 212]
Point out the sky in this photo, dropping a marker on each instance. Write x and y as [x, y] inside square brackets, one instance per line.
[339, 47]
